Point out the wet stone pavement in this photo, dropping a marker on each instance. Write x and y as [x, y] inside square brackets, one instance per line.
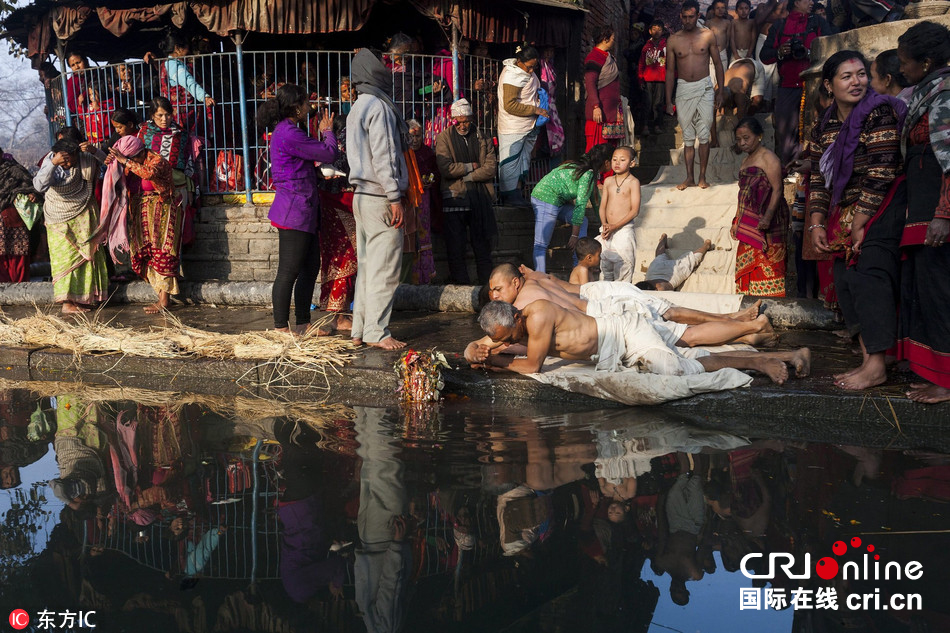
[200, 513]
[809, 408]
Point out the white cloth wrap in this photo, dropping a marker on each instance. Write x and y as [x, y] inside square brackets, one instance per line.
[675, 271]
[618, 255]
[695, 101]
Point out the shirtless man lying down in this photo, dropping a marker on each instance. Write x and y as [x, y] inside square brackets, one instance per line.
[620, 339]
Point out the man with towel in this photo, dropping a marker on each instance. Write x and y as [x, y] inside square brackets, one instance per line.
[615, 338]
[688, 55]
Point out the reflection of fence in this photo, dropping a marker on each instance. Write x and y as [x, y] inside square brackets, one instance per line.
[238, 536]
[239, 83]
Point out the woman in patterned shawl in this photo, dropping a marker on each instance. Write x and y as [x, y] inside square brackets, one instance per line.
[155, 218]
[761, 220]
[924, 52]
[14, 236]
[162, 135]
[856, 205]
[68, 178]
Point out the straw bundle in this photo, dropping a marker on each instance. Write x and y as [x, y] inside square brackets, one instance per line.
[283, 354]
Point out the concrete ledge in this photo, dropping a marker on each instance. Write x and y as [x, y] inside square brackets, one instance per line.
[786, 313]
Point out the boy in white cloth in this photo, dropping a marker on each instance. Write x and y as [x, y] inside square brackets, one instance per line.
[667, 273]
[619, 205]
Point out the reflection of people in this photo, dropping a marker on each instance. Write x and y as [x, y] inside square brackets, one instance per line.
[383, 558]
[855, 158]
[78, 443]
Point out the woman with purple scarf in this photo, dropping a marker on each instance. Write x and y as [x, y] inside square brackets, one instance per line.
[856, 207]
[295, 212]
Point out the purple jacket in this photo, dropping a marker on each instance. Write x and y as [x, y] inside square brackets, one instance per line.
[292, 154]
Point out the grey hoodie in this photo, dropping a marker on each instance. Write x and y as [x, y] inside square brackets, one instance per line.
[374, 133]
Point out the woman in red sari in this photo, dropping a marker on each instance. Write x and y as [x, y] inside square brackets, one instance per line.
[337, 235]
[761, 220]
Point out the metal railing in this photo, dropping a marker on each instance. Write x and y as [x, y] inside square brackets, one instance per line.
[230, 153]
[237, 537]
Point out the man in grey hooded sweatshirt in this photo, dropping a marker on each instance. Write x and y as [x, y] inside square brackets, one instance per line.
[376, 139]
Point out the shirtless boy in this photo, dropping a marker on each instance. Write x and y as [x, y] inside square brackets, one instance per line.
[745, 31]
[721, 26]
[545, 329]
[619, 205]
[688, 55]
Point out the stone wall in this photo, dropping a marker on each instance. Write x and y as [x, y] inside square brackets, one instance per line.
[237, 243]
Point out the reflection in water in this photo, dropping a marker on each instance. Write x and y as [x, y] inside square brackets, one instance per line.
[179, 518]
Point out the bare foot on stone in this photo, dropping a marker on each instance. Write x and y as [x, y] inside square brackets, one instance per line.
[801, 361]
[685, 185]
[928, 393]
[73, 308]
[344, 322]
[388, 343]
[865, 377]
[703, 184]
[774, 369]
[357, 341]
[749, 314]
[154, 308]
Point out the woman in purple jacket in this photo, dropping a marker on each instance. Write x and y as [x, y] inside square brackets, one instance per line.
[296, 208]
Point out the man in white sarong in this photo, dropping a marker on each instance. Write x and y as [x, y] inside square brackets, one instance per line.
[681, 327]
[618, 338]
[688, 55]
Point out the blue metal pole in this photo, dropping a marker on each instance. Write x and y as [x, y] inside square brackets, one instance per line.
[254, 506]
[245, 143]
[61, 52]
[455, 63]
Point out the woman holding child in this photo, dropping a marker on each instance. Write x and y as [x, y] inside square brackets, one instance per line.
[761, 220]
[856, 207]
[295, 211]
[563, 194]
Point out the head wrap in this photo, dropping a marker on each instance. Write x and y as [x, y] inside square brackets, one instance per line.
[129, 145]
[462, 108]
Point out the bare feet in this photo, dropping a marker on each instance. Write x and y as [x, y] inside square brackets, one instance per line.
[73, 308]
[686, 184]
[388, 343]
[357, 341]
[749, 314]
[801, 361]
[703, 184]
[870, 374]
[702, 249]
[309, 329]
[928, 393]
[158, 306]
[662, 245]
[774, 368]
[344, 322]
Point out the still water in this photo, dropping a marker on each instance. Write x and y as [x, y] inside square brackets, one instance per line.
[195, 514]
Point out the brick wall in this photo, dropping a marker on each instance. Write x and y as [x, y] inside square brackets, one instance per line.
[236, 243]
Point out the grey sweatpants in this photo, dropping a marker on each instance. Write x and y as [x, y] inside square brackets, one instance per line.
[378, 263]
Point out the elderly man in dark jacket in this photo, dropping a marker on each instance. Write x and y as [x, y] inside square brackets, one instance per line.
[467, 163]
